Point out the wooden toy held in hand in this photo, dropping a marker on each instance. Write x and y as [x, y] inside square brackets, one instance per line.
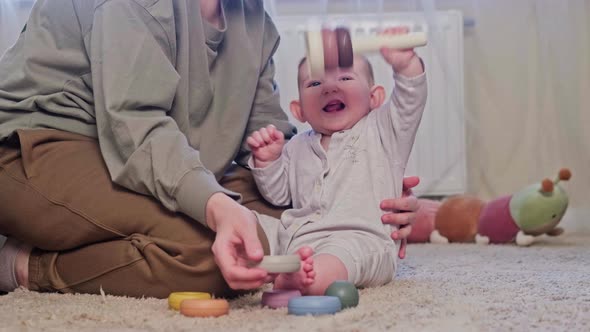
[279, 263]
[328, 49]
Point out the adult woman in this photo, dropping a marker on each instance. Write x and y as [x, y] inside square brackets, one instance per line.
[119, 125]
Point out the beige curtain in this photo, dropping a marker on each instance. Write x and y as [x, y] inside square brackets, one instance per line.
[527, 90]
[528, 95]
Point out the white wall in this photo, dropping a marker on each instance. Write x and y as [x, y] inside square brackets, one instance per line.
[13, 15]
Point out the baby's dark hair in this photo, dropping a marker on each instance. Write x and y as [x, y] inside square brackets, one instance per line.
[368, 69]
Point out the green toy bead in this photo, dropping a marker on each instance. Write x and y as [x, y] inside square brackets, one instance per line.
[345, 291]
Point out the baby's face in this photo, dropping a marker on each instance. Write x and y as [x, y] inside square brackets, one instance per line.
[337, 100]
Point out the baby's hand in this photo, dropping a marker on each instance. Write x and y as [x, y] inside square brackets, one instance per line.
[403, 61]
[266, 145]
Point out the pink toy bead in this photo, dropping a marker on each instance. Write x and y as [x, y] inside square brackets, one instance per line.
[330, 48]
[278, 298]
[345, 54]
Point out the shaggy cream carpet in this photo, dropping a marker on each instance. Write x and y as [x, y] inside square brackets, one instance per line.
[459, 287]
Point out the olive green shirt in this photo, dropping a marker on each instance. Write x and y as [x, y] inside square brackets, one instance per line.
[170, 98]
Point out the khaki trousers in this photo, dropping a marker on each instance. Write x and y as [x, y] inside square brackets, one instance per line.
[88, 233]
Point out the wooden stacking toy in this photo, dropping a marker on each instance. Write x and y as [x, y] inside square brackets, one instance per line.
[204, 308]
[345, 291]
[328, 49]
[279, 264]
[278, 298]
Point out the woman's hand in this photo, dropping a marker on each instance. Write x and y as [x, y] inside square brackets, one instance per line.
[236, 242]
[401, 212]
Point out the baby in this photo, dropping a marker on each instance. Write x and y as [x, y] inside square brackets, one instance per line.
[336, 174]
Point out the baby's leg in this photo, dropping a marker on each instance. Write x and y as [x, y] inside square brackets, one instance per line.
[328, 268]
[362, 258]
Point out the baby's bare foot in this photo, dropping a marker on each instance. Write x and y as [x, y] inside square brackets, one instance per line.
[302, 279]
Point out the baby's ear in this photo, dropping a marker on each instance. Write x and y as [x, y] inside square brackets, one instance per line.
[295, 107]
[377, 96]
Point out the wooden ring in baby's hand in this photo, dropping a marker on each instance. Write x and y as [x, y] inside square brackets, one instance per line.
[315, 53]
[345, 54]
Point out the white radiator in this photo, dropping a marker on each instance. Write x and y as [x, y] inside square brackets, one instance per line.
[438, 156]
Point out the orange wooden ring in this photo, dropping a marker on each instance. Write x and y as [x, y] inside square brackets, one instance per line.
[204, 308]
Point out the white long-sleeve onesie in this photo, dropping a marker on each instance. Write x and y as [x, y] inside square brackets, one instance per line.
[336, 194]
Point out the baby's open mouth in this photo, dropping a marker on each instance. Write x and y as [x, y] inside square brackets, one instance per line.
[334, 106]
